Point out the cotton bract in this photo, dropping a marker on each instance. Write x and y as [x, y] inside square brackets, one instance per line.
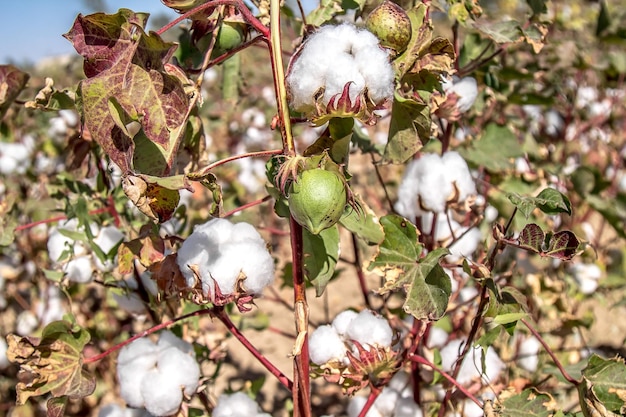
[155, 376]
[223, 252]
[334, 56]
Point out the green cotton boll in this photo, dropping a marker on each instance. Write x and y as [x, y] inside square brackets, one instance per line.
[317, 199]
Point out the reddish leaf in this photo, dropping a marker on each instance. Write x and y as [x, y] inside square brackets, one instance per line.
[531, 238]
[12, 82]
[56, 406]
[563, 245]
[126, 65]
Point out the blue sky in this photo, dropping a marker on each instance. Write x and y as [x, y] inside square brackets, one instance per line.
[32, 29]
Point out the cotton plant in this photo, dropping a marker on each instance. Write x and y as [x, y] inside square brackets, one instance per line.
[157, 376]
[472, 365]
[74, 256]
[237, 404]
[355, 348]
[212, 259]
[459, 95]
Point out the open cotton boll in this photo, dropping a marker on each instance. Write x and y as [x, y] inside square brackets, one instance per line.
[326, 345]
[215, 249]
[471, 367]
[368, 329]
[114, 410]
[108, 238]
[235, 405]
[586, 276]
[4, 361]
[458, 172]
[465, 88]
[160, 394]
[356, 405]
[406, 407]
[527, 353]
[133, 363]
[343, 320]
[334, 56]
[79, 269]
[182, 370]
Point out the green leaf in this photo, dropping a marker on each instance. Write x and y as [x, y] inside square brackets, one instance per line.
[508, 318]
[551, 201]
[495, 149]
[409, 129]
[528, 403]
[53, 363]
[427, 298]
[604, 386]
[426, 284]
[508, 31]
[363, 223]
[537, 6]
[326, 10]
[321, 253]
[12, 82]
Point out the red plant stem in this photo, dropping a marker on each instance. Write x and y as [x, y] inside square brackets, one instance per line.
[301, 393]
[359, 272]
[221, 315]
[370, 401]
[558, 363]
[209, 167]
[147, 332]
[248, 16]
[424, 361]
[247, 205]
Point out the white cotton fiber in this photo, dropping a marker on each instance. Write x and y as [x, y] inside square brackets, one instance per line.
[471, 367]
[343, 320]
[155, 375]
[221, 251]
[368, 329]
[334, 56]
[326, 345]
[235, 405]
[161, 396]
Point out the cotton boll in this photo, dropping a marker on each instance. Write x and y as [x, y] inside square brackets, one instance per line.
[465, 88]
[52, 308]
[437, 337]
[356, 404]
[527, 354]
[181, 369]
[459, 173]
[4, 361]
[108, 238]
[326, 345]
[130, 303]
[26, 323]
[471, 367]
[160, 395]
[406, 407]
[386, 401]
[471, 409]
[215, 249]
[79, 269]
[434, 186]
[168, 340]
[133, 363]
[586, 276]
[343, 320]
[235, 405]
[465, 246]
[114, 410]
[368, 329]
[57, 244]
[334, 56]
